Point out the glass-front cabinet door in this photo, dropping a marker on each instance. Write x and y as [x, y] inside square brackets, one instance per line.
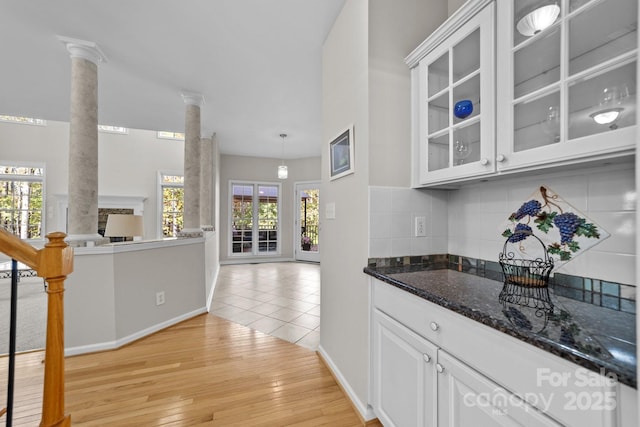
[566, 75]
[455, 100]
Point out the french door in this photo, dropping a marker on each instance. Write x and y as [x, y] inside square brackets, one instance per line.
[307, 223]
[254, 219]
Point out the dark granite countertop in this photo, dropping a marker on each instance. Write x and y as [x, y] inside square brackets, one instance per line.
[593, 337]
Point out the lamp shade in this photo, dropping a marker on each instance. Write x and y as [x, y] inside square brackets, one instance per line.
[283, 172]
[122, 225]
[537, 20]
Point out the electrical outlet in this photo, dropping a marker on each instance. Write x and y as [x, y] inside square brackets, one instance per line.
[160, 298]
[421, 230]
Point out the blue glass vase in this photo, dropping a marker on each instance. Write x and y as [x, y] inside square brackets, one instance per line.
[463, 109]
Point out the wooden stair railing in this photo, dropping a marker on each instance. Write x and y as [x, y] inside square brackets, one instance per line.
[53, 262]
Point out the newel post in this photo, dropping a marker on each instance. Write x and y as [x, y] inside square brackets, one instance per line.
[55, 262]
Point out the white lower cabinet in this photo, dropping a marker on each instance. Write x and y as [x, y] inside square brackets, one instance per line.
[433, 367]
[405, 376]
[467, 398]
[417, 384]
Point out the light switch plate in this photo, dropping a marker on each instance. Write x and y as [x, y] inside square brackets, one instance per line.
[330, 210]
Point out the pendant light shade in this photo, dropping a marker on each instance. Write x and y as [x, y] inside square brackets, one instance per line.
[537, 20]
[283, 172]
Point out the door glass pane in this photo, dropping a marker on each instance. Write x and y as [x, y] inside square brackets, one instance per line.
[172, 210]
[466, 56]
[267, 218]
[467, 91]
[242, 218]
[537, 122]
[438, 75]
[603, 103]
[537, 64]
[438, 156]
[466, 145]
[309, 219]
[438, 113]
[602, 32]
[576, 4]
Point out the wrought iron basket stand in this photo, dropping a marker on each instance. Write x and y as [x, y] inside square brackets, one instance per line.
[526, 281]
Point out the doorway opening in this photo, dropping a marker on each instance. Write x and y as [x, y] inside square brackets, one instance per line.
[307, 224]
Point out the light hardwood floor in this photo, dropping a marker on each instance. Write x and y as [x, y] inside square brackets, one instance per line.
[205, 371]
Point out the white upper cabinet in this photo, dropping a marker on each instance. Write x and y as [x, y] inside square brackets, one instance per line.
[516, 85]
[567, 81]
[453, 97]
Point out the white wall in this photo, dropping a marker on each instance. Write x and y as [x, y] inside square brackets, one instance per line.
[110, 297]
[395, 30]
[263, 170]
[366, 84]
[344, 298]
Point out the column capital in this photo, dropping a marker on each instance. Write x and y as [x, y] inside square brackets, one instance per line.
[83, 49]
[191, 98]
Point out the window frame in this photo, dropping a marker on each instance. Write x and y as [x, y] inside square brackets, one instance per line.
[255, 248]
[160, 198]
[30, 178]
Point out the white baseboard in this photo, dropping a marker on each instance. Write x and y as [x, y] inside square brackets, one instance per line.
[366, 412]
[254, 260]
[111, 345]
[214, 281]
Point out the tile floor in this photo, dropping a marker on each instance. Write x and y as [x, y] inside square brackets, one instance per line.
[279, 299]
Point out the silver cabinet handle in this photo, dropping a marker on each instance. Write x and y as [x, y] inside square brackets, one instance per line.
[484, 161]
[434, 326]
[426, 358]
[500, 158]
[439, 368]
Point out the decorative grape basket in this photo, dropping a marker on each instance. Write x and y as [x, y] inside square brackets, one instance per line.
[526, 281]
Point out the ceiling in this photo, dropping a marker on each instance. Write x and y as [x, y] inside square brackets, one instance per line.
[256, 62]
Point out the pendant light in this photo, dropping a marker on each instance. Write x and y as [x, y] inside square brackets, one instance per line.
[283, 173]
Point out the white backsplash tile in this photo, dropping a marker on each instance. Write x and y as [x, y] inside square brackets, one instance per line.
[401, 200]
[466, 221]
[380, 248]
[601, 196]
[400, 246]
[401, 225]
[622, 225]
[380, 225]
[379, 200]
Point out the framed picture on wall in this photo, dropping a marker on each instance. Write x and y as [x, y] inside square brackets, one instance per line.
[341, 154]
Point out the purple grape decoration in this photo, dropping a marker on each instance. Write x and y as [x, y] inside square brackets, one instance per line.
[531, 208]
[567, 224]
[521, 232]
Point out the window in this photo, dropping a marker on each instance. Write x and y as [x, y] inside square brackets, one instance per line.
[23, 120]
[113, 129]
[170, 135]
[21, 200]
[172, 189]
[254, 219]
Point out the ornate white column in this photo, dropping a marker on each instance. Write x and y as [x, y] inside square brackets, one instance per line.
[82, 216]
[206, 183]
[192, 166]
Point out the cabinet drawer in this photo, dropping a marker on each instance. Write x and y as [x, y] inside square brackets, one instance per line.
[407, 309]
